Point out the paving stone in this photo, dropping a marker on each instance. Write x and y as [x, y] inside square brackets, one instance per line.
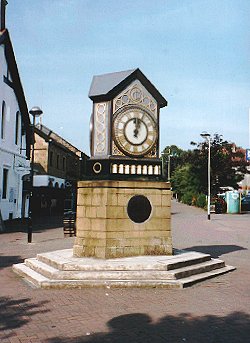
[217, 310]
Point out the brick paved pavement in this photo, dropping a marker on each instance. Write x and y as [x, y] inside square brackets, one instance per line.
[217, 310]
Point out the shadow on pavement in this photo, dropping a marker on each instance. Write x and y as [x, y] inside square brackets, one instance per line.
[16, 313]
[7, 261]
[39, 224]
[215, 250]
[44, 223]
[138, 328]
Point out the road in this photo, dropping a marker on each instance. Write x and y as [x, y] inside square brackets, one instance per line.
[217, 310]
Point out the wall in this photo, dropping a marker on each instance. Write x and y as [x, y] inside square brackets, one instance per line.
[40, 155]
[12, 156]
[71, 167]
[104, 229]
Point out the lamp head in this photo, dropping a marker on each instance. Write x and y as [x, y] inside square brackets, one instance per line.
[36, 111]
[205, 135]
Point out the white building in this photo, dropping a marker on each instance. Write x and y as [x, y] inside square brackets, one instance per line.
[15, 133]
[245, 183]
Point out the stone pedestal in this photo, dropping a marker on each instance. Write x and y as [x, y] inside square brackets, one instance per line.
[104, 228]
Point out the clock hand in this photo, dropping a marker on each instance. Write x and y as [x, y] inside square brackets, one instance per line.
[137, 123]
[136, 133]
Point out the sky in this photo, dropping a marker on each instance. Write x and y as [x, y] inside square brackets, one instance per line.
[195, 52]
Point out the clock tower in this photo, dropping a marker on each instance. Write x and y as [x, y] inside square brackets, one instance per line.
[125, 127]
[123, 205]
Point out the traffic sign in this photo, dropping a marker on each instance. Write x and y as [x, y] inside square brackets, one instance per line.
[248, 154]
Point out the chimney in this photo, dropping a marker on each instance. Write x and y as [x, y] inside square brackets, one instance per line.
[4, 3]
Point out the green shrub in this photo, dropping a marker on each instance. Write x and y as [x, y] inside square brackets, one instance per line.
[201, 201]
[198, 200]
[187, 198]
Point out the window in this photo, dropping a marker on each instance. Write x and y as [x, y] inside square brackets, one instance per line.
[18, 126]
[5, 183]
[57, 161]
[3, 120]
[64, 163]
[51, 158]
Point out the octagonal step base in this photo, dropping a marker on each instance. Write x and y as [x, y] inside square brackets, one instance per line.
[60, 269]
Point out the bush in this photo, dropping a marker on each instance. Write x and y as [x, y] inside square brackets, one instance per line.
[201, 201]
[198, 200]
[188, 198]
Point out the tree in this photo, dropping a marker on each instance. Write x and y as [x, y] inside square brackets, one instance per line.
[171, 158]
[228, 164]
[185, 180]
[189, 173]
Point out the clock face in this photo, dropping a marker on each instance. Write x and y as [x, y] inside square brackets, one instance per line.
[135, 132]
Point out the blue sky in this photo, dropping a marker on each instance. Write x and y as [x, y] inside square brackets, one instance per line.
[196, 53]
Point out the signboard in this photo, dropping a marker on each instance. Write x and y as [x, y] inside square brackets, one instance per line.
[2, 228]
[248, 154]
[11, 194]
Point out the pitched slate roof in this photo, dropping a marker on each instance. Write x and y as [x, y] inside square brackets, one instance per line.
[46, 133]
[16, 85]
[102, 84]
[106, 86]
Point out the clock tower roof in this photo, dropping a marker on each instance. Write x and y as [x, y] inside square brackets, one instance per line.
[107, 86]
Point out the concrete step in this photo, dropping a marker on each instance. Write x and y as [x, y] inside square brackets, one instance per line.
[53, 260]
[53, 273]
[63, 260]
[42, 268]
[141, 271]
[36, 279]
[199, 268]
[42, 282]
[61, 284]
[188, 259]
[189, 281]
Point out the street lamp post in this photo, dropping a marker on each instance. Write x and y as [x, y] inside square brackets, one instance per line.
[169, 161]
[207, 136]
[35, 112]
[170, 154]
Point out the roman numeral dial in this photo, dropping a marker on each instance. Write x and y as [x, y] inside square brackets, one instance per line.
[134, 131]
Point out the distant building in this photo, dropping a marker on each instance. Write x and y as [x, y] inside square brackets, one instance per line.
[58, 165]
[244, 184]
[15, 135]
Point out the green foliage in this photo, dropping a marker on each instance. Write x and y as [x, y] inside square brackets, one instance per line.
[228, 164]
[188, 198]
[189, 169]
[191, 198]
[171, 158]
[201, 200]
[184, 181]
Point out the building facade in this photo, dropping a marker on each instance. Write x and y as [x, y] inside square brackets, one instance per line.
[58, 165]
[15, 135]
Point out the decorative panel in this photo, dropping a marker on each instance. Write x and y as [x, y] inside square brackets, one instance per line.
[101, 127]
[135, 94]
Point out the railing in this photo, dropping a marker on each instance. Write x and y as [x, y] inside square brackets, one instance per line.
[133, 169]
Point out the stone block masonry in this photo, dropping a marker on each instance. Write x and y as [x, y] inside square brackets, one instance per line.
[105, 228]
